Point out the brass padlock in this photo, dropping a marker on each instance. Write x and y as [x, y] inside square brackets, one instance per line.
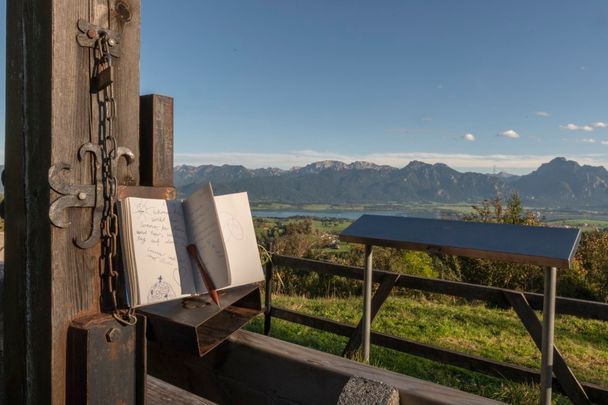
[102, 79]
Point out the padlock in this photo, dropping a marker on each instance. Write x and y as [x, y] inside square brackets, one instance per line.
[102, 79]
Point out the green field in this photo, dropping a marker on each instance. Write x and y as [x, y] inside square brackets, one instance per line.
[475, 329]
[583, 218]
[585, 224]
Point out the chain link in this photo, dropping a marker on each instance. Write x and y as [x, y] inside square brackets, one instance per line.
[109, 148]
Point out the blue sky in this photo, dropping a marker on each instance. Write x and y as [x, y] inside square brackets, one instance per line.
[474, 84]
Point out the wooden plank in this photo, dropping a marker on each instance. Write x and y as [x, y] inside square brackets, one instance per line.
[162, 193]
[565, 377]
[566, 306]
[544, 246]
[378, 299]
[28, 117]
[156, 141]
[268, 297]
[571, 306]
[103, 361]
[470, 362]
[162, 393]
[256, 369]
[49, 281]
[127, 83]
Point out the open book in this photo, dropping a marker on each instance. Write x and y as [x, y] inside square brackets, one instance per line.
[155, 234]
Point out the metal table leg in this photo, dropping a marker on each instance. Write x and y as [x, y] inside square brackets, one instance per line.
[546, 370]
[367, 302]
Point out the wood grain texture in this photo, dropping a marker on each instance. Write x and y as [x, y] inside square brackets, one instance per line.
[50, 113]
[28, 247]
[256, 369]
[156, 140]
[127, 85]
[104, 371]
[597, 393]
[162, 393]
[162, 193]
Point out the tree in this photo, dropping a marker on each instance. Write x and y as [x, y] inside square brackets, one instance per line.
[510, 212]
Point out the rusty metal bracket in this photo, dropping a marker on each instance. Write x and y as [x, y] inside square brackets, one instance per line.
[82, 195]
[90, 34]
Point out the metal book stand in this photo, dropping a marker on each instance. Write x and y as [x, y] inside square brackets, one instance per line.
[196, 324]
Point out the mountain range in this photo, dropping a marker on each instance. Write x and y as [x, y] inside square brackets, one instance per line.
[559, 183]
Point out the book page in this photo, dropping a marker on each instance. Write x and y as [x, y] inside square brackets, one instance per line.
[239, 238]
[159, 249]
[204, 231]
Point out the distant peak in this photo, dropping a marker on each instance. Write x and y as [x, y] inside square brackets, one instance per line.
[326, 164]
[360, 164]
[561, 161]
[416, 164]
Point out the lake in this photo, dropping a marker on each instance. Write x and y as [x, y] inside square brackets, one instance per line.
[352, 215]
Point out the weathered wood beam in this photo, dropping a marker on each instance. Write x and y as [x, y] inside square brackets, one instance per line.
[470, 362]
[156, 141]
[50, 114]
[254, 369]
[159, 392]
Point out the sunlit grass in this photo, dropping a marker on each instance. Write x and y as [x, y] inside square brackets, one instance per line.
[474, 329]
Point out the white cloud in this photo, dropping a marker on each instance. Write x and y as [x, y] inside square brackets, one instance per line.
[469, 137]
[459, 161]
[605, 142]
[584, 128]
[542, 113]
[509, 134]
[588, 140]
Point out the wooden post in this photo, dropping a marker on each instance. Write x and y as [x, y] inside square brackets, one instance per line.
[366, 319]
[268, 297]
[156, 142]
[49, 115]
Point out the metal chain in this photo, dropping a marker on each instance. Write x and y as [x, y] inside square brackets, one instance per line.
[109, 148]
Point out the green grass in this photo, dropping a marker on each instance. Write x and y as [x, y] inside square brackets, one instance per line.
[330, 226]
[475, 329]
[333, 226]
[586, 224]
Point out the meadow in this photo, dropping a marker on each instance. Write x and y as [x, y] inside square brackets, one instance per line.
[470, 328]
[456, 324]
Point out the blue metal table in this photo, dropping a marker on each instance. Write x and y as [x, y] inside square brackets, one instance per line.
[543, 246]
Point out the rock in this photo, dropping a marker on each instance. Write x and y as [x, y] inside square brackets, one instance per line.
[360, 391]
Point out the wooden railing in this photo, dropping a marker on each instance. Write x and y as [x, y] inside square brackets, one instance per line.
[524, 304]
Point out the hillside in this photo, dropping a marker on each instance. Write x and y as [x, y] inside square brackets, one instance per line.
[558, 183]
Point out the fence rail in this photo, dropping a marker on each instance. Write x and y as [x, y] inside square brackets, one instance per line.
[523, 303]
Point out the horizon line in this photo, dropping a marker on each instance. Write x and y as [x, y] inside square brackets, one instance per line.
[492, 163]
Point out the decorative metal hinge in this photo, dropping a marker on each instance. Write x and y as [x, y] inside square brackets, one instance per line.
[82, 195]
[90, 34]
